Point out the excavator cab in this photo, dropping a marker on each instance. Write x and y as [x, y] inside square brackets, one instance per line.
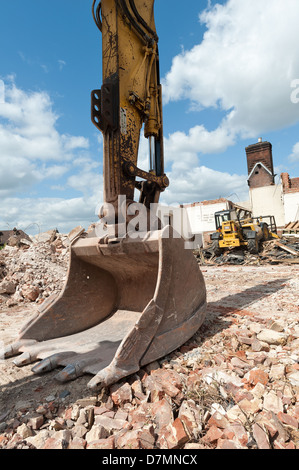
[131, 296]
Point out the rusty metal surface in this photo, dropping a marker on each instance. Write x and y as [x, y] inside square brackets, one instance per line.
[124, 305]
[130, 97]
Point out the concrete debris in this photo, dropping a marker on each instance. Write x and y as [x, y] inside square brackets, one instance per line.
[32, 271]
[234, 385]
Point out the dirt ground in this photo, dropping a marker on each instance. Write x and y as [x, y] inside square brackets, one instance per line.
[271, 292]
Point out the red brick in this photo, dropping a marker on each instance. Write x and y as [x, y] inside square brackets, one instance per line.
[169, 380]
[213, 435]
[228, 433]
[140, 416]
[240, 433]
[242, 394]
[14, 441]
[102, 444]
[190, 417]
[288, 419]
[260, 437]
[68, 413]
[162, 413]
[136, 439]
[121, 393]
[194, 378]
[53, 443]
[155, 388]
[226, 444]
[128, 440]
[278, 445]
[296, 411]
[3, 440]
[179, 432]
[172, 436]
[218, 420]
[77, 443]
[257, 375]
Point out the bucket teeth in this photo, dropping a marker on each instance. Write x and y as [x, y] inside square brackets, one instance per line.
[70, 372]
[14, 348]
[46, 365]
[24, 359]
[9, 351]
[94, 383]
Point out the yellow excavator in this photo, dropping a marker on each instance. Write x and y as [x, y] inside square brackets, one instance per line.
[131, 296]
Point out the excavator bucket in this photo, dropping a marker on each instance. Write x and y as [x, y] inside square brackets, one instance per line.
[125, 304]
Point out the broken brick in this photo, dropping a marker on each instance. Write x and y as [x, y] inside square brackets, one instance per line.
[260, 437]
[212, 435]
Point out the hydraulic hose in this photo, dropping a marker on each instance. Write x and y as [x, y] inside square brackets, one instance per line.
[141, 20]
[146, 38]
[97, 14]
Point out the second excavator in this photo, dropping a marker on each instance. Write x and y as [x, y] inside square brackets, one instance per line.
[131, 296]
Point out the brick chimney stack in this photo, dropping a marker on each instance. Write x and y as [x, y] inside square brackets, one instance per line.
[260, 164]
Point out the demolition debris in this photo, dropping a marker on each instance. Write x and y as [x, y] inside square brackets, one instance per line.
[284, 250]
[233, 385]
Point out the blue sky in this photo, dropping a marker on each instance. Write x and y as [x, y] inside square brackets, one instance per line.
[226, 67]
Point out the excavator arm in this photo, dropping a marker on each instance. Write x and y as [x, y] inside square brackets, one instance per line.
[129, 99]
[127, 301]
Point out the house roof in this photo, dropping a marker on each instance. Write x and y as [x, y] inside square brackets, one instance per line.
[257, 164]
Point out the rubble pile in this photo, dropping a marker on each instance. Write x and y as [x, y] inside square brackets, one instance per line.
[284, 250]
[234, 385]
[31, 271]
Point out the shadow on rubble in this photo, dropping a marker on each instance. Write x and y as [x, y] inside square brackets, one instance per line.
[27, 392]
[219, 312]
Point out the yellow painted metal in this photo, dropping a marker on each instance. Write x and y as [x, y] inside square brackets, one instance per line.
[132, 63]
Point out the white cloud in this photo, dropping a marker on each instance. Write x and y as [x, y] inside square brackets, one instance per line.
[244, 66]
[28, 127]
[190, 182]
[202, 183]
[32, 150]
[40, 214]
[294, 157]
[183, 149]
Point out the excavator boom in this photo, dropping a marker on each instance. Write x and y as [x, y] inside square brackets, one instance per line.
[129, 99]
[128, 300]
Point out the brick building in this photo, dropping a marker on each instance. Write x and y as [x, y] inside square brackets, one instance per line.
[290, 191]
[265, 196]
[290, 185]
[260, 164]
